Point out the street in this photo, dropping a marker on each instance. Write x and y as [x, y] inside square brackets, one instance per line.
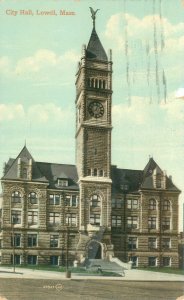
[31, 289]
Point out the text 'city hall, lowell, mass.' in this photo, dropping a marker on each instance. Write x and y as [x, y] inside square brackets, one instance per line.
[93, 210]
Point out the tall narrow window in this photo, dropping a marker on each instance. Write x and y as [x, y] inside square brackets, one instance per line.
[33, 198]
[16, 197]
[152, 204]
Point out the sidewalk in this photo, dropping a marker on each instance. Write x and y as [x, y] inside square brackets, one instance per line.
[134, 275]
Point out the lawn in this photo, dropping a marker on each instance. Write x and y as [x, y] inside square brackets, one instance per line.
[164, 270]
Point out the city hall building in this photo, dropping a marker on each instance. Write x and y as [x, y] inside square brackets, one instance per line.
[53, 212]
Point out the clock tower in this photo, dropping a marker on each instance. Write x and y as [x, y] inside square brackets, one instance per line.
[93, 146]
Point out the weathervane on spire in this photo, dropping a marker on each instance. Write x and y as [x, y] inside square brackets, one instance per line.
[93, 15]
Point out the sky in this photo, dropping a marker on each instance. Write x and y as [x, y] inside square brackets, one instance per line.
[38, 62]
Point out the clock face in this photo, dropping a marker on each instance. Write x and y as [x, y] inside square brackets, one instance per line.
[96, 109]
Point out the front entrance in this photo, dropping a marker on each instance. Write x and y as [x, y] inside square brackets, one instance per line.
[94, 250]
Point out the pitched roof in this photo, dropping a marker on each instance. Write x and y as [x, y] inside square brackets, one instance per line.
[11, 170]
[54, 171]
[148, 172]
[134, 180]
[95, 49]
[125, 177]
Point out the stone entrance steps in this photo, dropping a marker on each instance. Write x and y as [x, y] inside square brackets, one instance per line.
[104, 265]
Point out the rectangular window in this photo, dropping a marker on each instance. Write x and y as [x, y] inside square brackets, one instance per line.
[74, 200]
[62, 182]
[54, 199]
[152, 243]
[95, 219]
[17, 259]
[152, 222]
[132, 203]
[132, 243]
[54, 260]
[152, 261]
[54, 218]
[33, 198]
[54, 241]
[71, 220]
[67, 201]
[32, 240]
[166, 223]
[117, 203]
[16, 216]
[15, 240]
[32, 217]
[116, 221]
[32, 259]
[166, 243]
[132, 222]
[134, 260]
[166, 261]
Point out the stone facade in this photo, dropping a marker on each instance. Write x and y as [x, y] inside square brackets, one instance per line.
[56, 213]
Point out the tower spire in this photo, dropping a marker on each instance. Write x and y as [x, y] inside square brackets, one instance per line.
[93, 15]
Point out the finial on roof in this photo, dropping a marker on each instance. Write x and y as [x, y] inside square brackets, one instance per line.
[93, 15]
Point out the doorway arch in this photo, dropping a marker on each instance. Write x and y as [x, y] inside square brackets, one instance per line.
[94, 250]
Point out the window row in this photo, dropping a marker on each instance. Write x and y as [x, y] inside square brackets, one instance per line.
[152, 261]
[33, 259]
[134, 204]
[69, 200]
[132, 222]
[152, 243]
[54, 199]
[95, 172]
[54, 218]
[17, 197]
[32, 240]
[130, 203]
[97, 83]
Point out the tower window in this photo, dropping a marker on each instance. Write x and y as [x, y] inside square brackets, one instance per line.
[95, 219]
[95, 172]
[96, 83]
[100, 84]
[152, 204]
[89, 172]
[103, 84]
[95, 201]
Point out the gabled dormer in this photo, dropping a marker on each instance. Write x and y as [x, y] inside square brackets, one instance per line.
[23, 168]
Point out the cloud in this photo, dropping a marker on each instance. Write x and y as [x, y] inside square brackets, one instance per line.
[180, 93]
[43, 113]
[9, 112]
[44, 59]
[142, 29]
[39, 113]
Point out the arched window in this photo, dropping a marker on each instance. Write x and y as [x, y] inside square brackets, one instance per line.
[96, 83]
[166, 205]
[88, 172]
[101, 173]
[152, 204]
[95, 172]
[33, 198]
[16, 197]
[89, 82]
[95, 201]
[103, 84]
[100, 84]
[92, 82]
